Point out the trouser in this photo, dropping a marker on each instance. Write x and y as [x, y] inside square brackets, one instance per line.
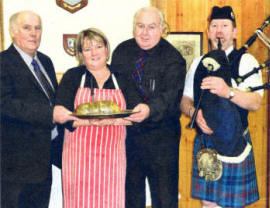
[154, 155]
[26, 195]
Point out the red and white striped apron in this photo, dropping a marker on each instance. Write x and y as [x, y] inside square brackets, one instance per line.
[94, 158]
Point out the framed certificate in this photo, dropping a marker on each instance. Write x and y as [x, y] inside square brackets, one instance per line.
[188, 43]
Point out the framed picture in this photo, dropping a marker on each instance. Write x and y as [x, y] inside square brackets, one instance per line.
[188, 43]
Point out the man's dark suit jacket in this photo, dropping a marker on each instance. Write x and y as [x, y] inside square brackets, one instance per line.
[26, 119]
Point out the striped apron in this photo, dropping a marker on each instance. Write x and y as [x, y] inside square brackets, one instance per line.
[94, 158]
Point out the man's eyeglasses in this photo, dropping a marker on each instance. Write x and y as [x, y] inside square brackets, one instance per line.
[150, 28]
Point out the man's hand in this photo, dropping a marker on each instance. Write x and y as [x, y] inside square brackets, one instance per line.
[202, 123]
[142, 111]
[62, 115]
[216, 85]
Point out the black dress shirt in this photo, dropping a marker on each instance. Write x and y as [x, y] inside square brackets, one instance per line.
[162, 79]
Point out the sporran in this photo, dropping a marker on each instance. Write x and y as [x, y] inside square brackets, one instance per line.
[209, 167]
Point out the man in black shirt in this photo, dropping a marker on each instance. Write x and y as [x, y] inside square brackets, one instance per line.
[152, 145]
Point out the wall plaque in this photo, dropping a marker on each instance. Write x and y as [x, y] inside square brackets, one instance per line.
[69, 43]
[72, 5]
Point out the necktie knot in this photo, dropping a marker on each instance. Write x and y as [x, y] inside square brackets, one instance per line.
[142, 59]
[35, 64]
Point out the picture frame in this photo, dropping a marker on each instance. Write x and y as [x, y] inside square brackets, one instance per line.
[189, 44]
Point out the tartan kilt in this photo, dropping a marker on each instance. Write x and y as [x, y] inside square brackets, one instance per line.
[237, 186]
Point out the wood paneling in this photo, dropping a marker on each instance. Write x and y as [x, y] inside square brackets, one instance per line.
[191, 16]
[267, 11]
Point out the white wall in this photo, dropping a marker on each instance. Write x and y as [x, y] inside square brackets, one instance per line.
[113, 17]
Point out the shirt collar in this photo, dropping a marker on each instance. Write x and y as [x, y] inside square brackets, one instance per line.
[229, 50]
[27, 59]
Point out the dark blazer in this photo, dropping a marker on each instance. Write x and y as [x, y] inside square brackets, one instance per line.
[26, 119]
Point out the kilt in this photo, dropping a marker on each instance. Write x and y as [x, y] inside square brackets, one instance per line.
[237, 186]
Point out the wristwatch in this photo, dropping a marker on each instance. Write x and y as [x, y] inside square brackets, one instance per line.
[231, 95]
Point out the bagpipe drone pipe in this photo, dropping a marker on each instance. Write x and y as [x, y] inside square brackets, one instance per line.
[226, 119]
[237, 55]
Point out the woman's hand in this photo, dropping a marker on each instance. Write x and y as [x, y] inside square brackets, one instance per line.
[122, 121]
[101, 122]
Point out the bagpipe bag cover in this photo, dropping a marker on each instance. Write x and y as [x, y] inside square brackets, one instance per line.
[221, 115]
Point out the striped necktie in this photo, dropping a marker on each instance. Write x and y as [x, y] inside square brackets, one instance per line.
[137, 73]
[43, 82]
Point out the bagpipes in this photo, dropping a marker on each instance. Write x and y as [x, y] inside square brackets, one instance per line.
[226, 119]
[258, 33]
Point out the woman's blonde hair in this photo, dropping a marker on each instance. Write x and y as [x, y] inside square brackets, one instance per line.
[90, 34]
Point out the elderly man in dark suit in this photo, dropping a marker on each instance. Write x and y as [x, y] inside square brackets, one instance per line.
[27, 83]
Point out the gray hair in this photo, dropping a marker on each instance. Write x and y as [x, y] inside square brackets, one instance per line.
[14, 19]
[163, 23]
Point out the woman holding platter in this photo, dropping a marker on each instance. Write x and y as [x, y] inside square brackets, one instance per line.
[94, 157]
